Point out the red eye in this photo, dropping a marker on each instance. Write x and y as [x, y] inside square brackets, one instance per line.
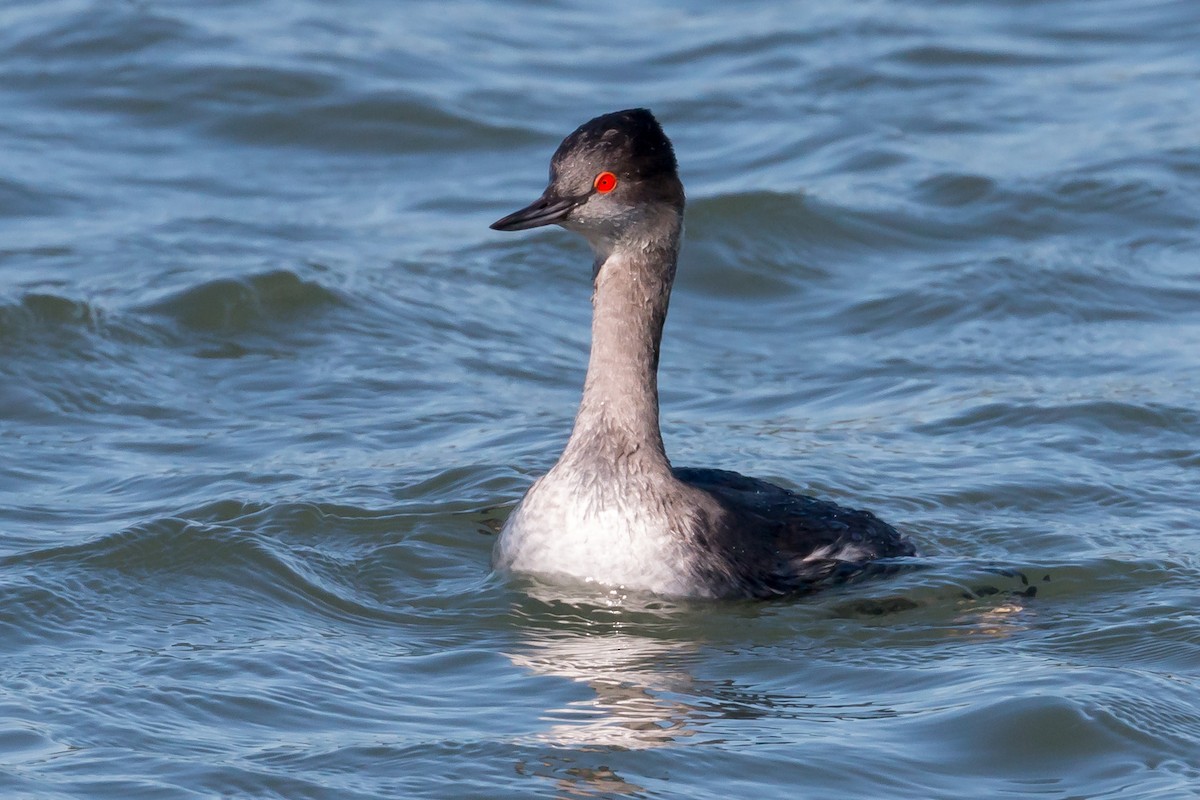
[605, 182]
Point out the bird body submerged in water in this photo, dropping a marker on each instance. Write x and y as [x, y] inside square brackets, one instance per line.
[613, 510]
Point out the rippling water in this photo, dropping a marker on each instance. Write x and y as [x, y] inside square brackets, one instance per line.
[268, 386]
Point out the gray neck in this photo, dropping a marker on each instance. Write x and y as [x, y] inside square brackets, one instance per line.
[618, 415]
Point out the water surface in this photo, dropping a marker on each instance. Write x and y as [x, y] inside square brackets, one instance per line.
[269, 385]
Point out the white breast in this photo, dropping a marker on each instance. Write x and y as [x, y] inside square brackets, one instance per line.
[602, 534]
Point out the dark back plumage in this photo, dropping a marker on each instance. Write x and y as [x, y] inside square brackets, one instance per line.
[770, 541]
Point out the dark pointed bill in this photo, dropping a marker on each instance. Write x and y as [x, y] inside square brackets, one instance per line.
[546, 210]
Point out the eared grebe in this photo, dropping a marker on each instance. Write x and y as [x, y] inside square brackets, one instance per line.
[613, 510]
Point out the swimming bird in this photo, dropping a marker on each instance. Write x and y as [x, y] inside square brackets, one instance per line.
[613, 510]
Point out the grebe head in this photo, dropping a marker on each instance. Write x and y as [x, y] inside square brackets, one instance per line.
[612, 177]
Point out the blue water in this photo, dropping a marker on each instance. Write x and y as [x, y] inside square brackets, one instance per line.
[269, 386]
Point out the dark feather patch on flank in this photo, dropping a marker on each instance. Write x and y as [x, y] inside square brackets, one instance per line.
[762, 546]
